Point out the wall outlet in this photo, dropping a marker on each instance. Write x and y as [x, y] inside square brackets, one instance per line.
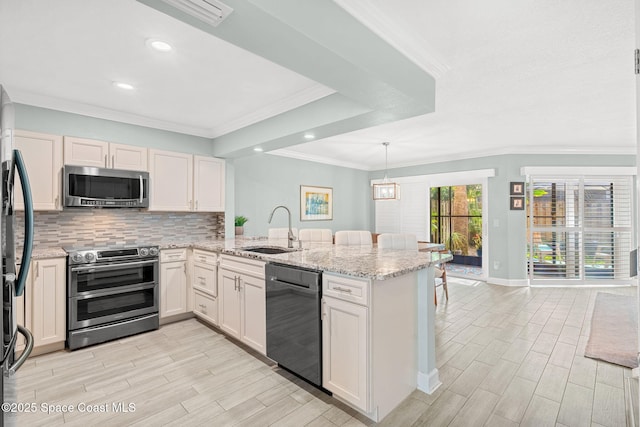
[496, 265]
[496, 223]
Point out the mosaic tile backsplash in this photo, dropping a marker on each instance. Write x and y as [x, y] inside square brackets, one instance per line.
[110, 227]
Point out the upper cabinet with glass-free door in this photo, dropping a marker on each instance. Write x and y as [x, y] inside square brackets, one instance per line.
[208, 184]
[42, 155]
[185, 183]
[101, 154]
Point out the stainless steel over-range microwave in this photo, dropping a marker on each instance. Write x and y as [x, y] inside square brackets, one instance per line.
[105, 188]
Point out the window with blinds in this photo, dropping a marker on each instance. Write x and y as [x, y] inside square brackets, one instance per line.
[579, 229]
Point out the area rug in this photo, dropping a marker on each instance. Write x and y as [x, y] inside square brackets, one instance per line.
[614, 330]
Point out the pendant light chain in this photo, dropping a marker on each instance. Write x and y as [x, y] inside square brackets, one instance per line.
[386, 162]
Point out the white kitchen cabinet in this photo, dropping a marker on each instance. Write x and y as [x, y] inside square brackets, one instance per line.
[369, 353]
[229, 302]
[42, 155]
[174, 288]
[185, 183]
[42, 308]
[242, 304]
[208, 184]
[345, 331]
[205, 307]
[128, 157]
[204, 282]
[102, 154]
[171, 179]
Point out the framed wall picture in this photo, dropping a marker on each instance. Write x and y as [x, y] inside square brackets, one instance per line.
[316, 203]
[517, 203]
[516, 189]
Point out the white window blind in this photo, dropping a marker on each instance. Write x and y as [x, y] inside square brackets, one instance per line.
[409, 214]
[580, 229]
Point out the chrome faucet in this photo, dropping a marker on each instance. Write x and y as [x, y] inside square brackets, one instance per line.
[290, 235]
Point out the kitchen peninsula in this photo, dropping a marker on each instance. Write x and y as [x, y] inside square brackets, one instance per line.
[378, 315]
[383, 329]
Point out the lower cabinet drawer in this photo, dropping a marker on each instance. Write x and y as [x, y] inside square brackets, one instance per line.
[205, 307]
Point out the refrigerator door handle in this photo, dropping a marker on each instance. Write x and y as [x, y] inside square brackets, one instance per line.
[25, 353]
[28, 223]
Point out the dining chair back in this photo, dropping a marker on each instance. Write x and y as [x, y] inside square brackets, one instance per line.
[315, 235]
[397, 241]
[281, 233]
[354, 238]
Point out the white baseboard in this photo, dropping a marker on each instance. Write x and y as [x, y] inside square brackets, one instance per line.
[429, 382]
[507, 282]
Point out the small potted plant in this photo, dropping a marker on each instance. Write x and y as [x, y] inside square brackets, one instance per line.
[240, 221]
[477, 242]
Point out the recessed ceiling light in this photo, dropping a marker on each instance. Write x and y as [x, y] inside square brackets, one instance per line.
[159, 45]
[309, 136]
[258, 149]
[122, 85]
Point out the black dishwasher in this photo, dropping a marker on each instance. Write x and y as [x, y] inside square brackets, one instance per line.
[294, 328]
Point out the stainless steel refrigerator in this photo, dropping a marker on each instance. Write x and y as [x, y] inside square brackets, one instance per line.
[13, 279]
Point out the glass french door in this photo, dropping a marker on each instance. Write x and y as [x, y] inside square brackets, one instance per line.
[579, 230]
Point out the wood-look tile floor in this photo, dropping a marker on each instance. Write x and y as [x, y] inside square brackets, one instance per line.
[506, 356]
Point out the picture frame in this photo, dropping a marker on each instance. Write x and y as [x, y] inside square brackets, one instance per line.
[516, 189]
[316, 203]
[517, 203]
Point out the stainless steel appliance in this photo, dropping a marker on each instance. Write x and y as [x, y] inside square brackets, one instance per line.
[112, 293]
[105, 188]
[294, 328]
[12, 283]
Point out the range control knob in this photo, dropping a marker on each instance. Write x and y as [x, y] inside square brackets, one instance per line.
[144, 251]
[89, 256]
[153, 251]
[76, 258]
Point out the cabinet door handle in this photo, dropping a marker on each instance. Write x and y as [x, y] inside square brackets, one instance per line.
[55, 203]
[113, 161]
[196, 205]
[37, 269]
[106, 165]
[339, 289]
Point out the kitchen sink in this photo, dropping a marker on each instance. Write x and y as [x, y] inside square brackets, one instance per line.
[268, 250]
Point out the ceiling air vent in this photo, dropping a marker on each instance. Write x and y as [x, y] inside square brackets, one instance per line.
[210, 11]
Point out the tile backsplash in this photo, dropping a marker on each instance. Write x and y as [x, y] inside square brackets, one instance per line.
[109, 227]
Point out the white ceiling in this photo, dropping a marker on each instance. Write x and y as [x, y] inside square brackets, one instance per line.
[511, 77]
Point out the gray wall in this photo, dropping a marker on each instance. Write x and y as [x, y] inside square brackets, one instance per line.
[44, 120]
[264, 181]
[506, 228]
[258, 183]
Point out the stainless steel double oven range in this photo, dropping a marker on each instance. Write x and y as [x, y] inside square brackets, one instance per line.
[112, 293]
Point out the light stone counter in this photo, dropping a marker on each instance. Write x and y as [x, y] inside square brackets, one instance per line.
[358, 261]
[42, 253]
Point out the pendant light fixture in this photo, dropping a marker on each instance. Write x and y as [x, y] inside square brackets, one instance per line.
[386, 190]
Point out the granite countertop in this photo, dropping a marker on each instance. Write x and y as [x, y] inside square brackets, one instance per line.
[358, 261]
[42, 253]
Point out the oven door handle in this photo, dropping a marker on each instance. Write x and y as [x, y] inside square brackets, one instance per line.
[92, 268]
[113, 291]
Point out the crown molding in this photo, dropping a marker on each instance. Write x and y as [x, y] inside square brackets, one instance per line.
[303, 97]
[431, 159]
[43, 101]
[410, 44]
[317, 159]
